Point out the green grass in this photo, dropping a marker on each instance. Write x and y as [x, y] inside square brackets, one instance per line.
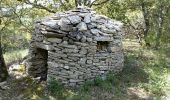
[146, 75]
[143, 77]
[15, 56]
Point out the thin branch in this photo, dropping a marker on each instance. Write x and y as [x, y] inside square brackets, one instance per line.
[39, 6]
[19, 17]
[99, 3]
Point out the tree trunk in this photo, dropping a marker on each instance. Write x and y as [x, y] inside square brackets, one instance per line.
[160, 26]
[3, 69]
[146, 22]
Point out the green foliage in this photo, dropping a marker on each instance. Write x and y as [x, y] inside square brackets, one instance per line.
[142, 70]
[15, 56]
[55, 88]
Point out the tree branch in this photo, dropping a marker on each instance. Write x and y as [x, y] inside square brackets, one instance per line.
[39, 6]
[99, 3]
[20, 21]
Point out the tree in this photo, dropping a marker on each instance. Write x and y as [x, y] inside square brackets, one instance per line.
[3, 69]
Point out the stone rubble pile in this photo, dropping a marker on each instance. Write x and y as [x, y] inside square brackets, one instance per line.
[75, 46]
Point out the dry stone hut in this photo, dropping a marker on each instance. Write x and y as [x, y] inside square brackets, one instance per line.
[75, 46]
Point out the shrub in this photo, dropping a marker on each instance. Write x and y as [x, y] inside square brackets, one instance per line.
[55, 88]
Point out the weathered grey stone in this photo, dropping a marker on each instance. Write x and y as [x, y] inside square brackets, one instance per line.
[66, 67]
[101, 72]
[89, 40]
[103, 68]
[82, 61]
[51, 23]
[44, 46]
[57, 54]
[75, 46]
[76, 55]
[78, 37]
[87, 18]
[46, 42]
[109, 31]
[74, 81]
[83, 51]
[65, 24]
[64, 21]
[81, 44]
[89, 62]
[82, 26]
[74, 19]
[53, 34]
[68, 46]
[52, 64]
[54, 40]
[95, 60]
[103, 38]
[70, 50]
[83, 39]
[95, 32]
[66, 28]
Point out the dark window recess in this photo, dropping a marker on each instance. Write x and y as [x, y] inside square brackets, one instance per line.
[102, 46]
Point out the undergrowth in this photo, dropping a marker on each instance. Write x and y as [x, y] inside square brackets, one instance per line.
[143, 77]
[144, 69]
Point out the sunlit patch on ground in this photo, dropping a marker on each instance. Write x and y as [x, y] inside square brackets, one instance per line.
[146, 76]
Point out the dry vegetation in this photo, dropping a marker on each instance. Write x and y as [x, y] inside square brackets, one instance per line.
[145, 77]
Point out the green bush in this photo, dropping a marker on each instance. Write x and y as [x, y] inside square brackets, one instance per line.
[55, 88]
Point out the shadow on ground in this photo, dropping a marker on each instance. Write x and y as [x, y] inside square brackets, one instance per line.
[139, 80]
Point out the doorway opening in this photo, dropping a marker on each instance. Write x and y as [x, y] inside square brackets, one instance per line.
[41, 59]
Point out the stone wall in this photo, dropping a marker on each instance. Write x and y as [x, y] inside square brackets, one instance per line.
[81, 45]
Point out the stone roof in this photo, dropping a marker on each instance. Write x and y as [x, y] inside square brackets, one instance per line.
[78, 22]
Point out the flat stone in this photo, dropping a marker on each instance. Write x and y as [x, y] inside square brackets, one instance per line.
[68, 46]
[67, 28]
[51, 23]
[52, 64]
[76, 55]
[56, 54]
[89, 39]
[83, 51]
[53, 34]
[87, 18]
[102, 72]
[82, 26]
[74, 19]
[83, 39]
[89, 62]
[103, 38]
[70, 50]
[54, 40]
[66, 67]
[64, 21]
[74, 81]
[46, 42]
[44, 46]
[95, 32]
[65, 24]
[81, 44]
[103, 68]
[78, 37]
[109, 31]
[82, 60]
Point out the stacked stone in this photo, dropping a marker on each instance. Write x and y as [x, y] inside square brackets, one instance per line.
[71, 39]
